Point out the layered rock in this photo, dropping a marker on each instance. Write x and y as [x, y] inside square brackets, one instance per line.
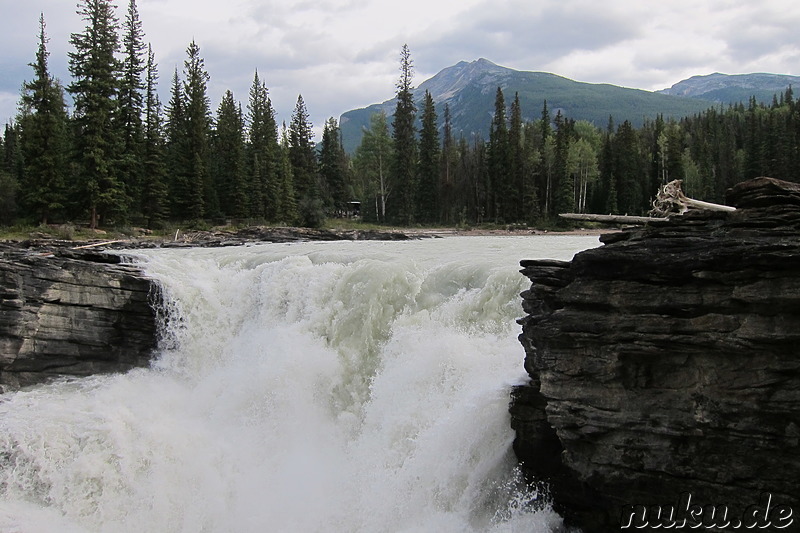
[71, 313]
[667, 362]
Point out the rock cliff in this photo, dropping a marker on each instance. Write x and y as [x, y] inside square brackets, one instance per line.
[666, 363]
[74, 313]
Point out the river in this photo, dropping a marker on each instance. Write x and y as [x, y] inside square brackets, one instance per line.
[306, 387]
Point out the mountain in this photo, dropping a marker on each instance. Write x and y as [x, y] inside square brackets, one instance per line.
[733, 88]
[469, 88]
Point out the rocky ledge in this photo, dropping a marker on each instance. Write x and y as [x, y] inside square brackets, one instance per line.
[69, 308]
[67, 312]
[665, 370]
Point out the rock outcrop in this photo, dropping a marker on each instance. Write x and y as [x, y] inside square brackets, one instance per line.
[71, 313]
[666, 363]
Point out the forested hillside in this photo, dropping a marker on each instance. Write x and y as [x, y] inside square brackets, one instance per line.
[121, 157]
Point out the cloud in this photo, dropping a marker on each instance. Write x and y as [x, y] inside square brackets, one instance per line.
[344, 54]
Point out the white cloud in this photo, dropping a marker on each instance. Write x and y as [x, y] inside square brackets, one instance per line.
[344, 54]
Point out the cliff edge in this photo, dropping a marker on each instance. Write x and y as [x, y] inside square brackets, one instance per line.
[665, 370]
[71, 313]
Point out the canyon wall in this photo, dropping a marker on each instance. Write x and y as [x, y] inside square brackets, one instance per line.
[666, 363]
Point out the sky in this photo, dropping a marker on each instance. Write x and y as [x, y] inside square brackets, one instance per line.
[345, 54]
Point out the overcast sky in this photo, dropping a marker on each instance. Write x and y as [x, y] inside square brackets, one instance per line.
[344, 54]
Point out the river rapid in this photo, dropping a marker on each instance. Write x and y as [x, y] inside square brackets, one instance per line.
[305, 387]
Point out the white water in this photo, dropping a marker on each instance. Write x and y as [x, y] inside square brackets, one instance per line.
[316, 387]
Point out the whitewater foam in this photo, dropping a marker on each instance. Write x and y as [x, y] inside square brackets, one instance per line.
[337, 387]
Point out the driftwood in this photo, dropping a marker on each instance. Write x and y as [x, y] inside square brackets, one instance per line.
[612, 219]
[93, 245]
[669, 201]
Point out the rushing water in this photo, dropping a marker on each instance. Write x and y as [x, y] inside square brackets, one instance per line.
[310, 387]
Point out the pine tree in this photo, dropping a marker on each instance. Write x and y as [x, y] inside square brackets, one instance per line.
[131, 105]
[516, 179]
[228, 157]
[176, 149]
[8, 182]
[199, 196]
[262, 153]
[287, 207]
[95, 86]
[497, 187]
[154, 182]
[428, 171]
[304, 168]
[563, 187]
[43, 140]
[333, 167]
[404, 163]
[631, 197]
[447, 195]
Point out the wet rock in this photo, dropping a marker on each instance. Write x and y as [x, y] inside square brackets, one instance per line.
[666, 362]
[66, 312]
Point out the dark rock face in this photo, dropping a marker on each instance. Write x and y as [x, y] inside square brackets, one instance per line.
[667, 362]
[74, 313]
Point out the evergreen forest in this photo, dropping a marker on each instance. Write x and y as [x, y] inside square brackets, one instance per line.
[119, 156]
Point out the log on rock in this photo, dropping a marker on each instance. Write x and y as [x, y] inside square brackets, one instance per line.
[612, 219]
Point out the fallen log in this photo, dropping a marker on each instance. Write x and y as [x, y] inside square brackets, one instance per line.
[613, 219]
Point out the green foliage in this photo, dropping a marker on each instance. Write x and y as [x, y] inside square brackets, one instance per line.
[334, 169]
[263, 182]
[154, 178]
[43, 140]
[95, 70]
[403, 169]
[429, 167]
[119, 159]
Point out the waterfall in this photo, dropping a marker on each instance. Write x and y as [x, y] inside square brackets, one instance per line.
[306, 387]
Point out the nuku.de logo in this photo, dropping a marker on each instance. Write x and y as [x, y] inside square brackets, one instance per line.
[687, 514]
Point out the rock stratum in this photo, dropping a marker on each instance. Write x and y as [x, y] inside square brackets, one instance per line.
[666, 363]
[67, 312]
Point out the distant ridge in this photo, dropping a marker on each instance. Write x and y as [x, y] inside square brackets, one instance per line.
[469, 88]
[733, 88]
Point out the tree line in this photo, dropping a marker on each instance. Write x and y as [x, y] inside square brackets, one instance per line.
[121, 157]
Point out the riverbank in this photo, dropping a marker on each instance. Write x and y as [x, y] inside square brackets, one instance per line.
[101, 240]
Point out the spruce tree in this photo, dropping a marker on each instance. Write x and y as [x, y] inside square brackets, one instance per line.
[262, 153]
[404, 163]
[131, 105]
[228, 157]
[428, 170]
[177, 150]
[95, 86]
[286, 208]
[333, 167]
[199, 196]
[154, 182]
[449, 159]
[497, 186]
[516, 189]
[563, 187]
[303, 157]
[8, 182]
[44, 146]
